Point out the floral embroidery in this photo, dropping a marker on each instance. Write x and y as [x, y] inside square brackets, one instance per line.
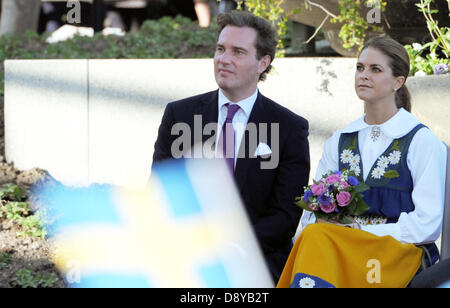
[378, 172]
[394, 157]
[348, 157]
[370, 220]
[383, 163]
[306, 283]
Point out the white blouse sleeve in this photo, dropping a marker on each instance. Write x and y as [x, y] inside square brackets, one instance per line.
[328, 161]
[427, 162]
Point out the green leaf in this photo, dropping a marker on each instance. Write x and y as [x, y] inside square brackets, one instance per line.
[360, 208]
[345, 220]
[395, 146]
[303, 205]
[361, 187]
[391, 174]
[354, 144]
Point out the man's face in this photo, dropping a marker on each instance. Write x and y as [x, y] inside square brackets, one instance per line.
[236, 67]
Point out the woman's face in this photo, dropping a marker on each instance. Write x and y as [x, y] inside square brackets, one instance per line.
[374, 80]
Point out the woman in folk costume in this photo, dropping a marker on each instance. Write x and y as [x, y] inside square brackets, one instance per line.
[404, 164]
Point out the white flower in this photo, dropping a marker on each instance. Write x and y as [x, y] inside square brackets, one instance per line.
[346, 156]
[420, 74]
[356, 169]
[394, 157]
[378, 172]
[417, 46]
[307, 283]
[383, 162]
[354, 161]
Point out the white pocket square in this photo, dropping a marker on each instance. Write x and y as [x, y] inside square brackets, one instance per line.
[263, 149]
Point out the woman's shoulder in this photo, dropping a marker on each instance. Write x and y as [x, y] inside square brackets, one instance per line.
[425, 141]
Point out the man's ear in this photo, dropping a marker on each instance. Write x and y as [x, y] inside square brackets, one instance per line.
[264, 63]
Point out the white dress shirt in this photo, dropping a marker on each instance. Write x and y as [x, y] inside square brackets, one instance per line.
[426, 160]
[240, 119]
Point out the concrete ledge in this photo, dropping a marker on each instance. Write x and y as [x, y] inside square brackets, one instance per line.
[91, 121]
[431, 103]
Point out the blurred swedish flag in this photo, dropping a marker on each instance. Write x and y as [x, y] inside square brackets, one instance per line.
[188, 228]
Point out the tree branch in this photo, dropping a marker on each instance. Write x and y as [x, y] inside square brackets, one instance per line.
[317, 30]
[322, 8]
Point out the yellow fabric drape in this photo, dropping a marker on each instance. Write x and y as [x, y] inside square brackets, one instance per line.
[350, 258]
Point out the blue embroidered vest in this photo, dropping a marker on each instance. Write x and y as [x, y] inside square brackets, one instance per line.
[390, 180]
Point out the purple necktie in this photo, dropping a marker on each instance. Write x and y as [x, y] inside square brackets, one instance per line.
[228, 136]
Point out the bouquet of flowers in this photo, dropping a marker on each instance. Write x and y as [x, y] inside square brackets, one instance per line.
[336, 197]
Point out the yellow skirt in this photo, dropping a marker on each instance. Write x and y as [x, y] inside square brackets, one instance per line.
[327, 255]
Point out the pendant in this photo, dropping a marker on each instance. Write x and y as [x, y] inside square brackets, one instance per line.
[375, 133]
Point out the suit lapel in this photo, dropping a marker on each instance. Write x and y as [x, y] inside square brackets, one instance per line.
[257, 117]
[208, 111]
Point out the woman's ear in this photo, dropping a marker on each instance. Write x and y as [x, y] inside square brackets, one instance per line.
[399, 82]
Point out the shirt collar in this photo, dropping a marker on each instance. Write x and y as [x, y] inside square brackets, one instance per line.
[246, 104]
[397, 126]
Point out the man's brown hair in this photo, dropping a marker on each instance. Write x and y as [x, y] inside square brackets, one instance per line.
[266, 38]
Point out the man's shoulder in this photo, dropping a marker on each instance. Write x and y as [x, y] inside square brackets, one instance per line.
[283, 114]
[194, 100]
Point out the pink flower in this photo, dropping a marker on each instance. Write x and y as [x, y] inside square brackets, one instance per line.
[317, 190]
[343, 198]
[313, 208]
[330, 208]
[334, 178]
[344, 184]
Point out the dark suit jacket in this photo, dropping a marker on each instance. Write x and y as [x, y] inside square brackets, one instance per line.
[268, 194]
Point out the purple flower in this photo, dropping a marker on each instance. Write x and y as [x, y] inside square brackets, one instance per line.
[440, 69]
[324, 200]
[352, 181]
[308, 194]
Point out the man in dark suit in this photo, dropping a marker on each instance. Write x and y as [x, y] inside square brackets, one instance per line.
[269, 152]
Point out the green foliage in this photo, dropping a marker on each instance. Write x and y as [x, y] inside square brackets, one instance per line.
[5, 258]
[12, 192]
[13, 209]
[440, 36]
[25, 278]
[273, 11]
[424, 58]
[355, 26]
[352, 32]
[33, 225]
[167, 37]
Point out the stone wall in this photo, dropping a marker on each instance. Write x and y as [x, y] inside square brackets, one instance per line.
[88, 121]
